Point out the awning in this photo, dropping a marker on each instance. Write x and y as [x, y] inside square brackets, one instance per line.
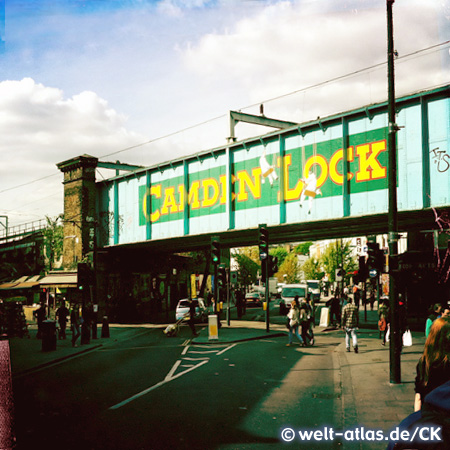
[59, 280]
[28, 283]
[12, 284]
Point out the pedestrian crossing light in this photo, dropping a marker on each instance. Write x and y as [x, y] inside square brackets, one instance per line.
[376, 257]
[215, 250]
[263, 242]
[273, 265]
[221, 277]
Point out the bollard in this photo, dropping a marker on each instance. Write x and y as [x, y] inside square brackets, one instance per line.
[85, 333]
[105, 327]
[48, 335]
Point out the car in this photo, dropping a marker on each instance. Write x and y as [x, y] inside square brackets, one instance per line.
[255, 298]
[182, 310]
[314, 289]
[288, 292]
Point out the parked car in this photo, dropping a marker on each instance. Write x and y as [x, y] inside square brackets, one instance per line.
[288, 292]
[182, 310]
[255, 298]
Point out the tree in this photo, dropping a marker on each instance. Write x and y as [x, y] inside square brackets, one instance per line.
[303, 248]
[280, 252]
[247, 267]
[311, 269]
[288, 271]
[338, 254]
[53, 241]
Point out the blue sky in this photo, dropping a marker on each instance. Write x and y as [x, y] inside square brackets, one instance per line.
[99, 76]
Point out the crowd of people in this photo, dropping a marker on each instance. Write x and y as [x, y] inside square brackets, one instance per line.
[80, 324]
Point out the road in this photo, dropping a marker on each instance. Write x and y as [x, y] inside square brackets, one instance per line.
[154, 392]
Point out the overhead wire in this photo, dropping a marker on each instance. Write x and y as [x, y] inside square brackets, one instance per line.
[302, 90]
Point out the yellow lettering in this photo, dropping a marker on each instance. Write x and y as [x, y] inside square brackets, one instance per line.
[254, 185]
[169, 201]
[320, 161]
[223, 187]
[369, 166]
[193, 195]
[290, 194]
[156, 191]
[208, 184]
[337, 177]
[182, 194]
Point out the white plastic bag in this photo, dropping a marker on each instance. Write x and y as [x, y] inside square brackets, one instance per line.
[388, 333]
[407, 338]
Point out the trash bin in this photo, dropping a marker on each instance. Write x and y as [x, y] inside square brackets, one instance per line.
[48, 335]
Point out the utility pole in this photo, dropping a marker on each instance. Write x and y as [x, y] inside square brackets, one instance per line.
[394, 342]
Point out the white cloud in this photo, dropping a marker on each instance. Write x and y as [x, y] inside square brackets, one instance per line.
[39, 128]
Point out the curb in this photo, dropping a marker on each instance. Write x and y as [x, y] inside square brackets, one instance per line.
[55, 361]
[232, 341]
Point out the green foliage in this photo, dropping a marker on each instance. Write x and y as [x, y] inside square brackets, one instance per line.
[288, 268]
[303, 248]
[280, 252]
[53, 241]
[311, 269]
[247, 266]
[338, 254]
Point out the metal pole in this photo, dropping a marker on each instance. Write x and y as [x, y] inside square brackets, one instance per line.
[266, 263]
[228, 297]
[394, 342]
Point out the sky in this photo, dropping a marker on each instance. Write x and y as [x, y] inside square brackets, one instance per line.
[147, 81]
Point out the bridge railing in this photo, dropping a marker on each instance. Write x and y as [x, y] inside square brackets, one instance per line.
[21, 230]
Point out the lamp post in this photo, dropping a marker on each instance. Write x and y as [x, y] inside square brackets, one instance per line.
[394, 342]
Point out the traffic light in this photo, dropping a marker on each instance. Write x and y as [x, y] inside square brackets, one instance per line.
[376, 257]
[84, 276]
[215, 250]
[221, 277]
[263, 242]
[273, 265]
[363, 273]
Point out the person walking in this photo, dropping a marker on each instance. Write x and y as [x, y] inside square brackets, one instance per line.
[75, 325]
[40, 315]
[435, 313]
[61, 314]
[350, 323]
[191, 320]
[305, 324]
[294, 321]
[383, 321]
[433, 368]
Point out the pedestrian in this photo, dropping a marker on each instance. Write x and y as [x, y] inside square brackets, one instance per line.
[294, 321]
[40, 314]
[434, 313]
[191, 320]
[311, 319]
[335, 309]
[433, 368]
[305, 324]
[372, 299]
[383, 321]
[350, 323]
[356, 295]
[61, 314]
[75, 325]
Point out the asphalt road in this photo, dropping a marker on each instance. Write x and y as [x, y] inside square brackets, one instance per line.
[154, 392]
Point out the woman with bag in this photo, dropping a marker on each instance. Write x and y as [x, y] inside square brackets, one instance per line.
[433, 368]
[294, 321]
[383, 321]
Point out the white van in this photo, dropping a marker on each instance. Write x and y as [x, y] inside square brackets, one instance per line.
[288, 292]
